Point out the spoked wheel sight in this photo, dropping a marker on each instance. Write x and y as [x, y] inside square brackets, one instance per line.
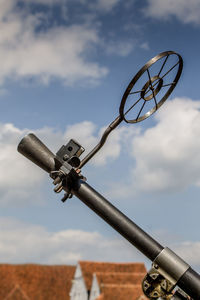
[157, 79]
[146, 92]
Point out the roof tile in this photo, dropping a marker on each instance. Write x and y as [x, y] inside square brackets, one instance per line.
[121, 292]
[119, 278]
[39, 282]
[89, 268]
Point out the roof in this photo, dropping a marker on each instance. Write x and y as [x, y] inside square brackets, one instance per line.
[89, 268]
[16, 294]
[35, 282]
[121, 292]
[119, 278]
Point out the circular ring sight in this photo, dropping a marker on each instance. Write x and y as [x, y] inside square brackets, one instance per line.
[158, 77]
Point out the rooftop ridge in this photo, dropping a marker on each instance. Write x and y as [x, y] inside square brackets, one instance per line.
[110, 263]
[35, 264]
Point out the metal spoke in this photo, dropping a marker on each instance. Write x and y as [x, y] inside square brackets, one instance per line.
[135, 92]
[152, 86]
[141, 110]
[149, 75]
[147, 91]
[132, 106]
[153, 92]
[169, 84]
[163, 65]
[155, 100]
[170, 70]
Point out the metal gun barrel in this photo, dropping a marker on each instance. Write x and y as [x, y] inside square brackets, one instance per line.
[37, 152]
[134, 234]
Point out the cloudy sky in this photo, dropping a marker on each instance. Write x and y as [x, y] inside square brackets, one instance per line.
[63, 70]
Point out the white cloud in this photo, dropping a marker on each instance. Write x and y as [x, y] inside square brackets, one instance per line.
[145, 46]
[166, 156]
[100, 5]
[17, 177]
[184, 10]
[35, 46]
[106, 5]
[190, 252]
[121, 48]
[24, 243]
[57, 52]
[14, 182]
[21, 242]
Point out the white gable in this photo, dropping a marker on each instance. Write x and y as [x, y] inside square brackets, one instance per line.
[78, 289]
[95, 289]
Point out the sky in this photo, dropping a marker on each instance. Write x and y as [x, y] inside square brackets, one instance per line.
[63, 71]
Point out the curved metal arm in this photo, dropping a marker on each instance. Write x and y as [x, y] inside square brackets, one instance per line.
[153, 85]
[108, 130]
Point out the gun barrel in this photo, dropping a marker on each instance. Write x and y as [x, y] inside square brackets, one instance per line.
[38, 153]
[190, 283]
[114, 217]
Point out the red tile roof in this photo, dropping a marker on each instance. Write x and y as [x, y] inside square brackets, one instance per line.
[35, 282]
[119, 278]
[117, 281]
[121, 292]
[17, 294]
[89, 268]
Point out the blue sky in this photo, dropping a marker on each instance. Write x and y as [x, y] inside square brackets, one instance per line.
[64, 68]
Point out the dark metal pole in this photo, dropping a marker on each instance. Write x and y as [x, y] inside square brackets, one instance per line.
[190, 283]
[134, 234]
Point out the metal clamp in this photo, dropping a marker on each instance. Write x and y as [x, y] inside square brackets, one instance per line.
[170, 265]
[68, 158]
[166, 271]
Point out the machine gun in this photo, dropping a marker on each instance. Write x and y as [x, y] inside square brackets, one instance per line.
[170, 276]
